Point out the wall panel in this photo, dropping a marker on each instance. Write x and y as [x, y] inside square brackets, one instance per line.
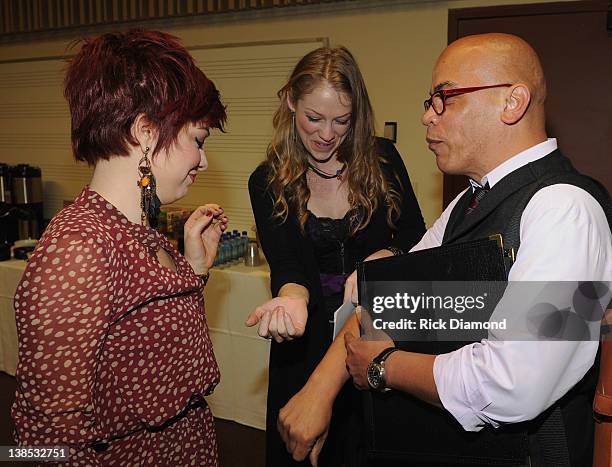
[35, 123]
[396, 43]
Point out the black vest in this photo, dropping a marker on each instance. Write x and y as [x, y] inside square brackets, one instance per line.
[499, 212]
[496, 211]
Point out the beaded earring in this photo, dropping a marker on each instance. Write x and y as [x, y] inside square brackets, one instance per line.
[149, 202]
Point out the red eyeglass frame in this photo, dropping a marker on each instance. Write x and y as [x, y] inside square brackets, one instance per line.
[444, 93]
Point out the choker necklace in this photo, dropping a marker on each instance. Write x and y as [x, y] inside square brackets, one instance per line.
[328, 176]
[324, 161]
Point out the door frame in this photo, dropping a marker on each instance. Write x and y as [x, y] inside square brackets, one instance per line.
[453, 184]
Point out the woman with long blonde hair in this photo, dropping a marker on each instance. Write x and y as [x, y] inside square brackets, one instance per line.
[329, 194]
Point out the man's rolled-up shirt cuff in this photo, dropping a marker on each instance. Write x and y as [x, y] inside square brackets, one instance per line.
[463, 400]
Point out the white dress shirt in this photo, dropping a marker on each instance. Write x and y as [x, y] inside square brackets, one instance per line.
[564, 237]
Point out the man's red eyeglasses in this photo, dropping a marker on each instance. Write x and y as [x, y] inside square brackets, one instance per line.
[438, 98]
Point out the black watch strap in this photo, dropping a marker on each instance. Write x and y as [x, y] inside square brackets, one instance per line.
[381, 357]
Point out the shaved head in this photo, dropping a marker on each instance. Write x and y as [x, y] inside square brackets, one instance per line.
[499, 58]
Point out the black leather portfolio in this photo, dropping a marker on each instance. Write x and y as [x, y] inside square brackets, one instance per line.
[404, 430]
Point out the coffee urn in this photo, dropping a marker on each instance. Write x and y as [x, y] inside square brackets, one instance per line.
[8, 221]
[27, 200]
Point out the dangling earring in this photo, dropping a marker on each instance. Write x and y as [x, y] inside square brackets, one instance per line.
[293, 129]
[149, 202]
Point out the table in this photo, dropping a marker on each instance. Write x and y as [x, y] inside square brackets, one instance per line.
[10, 273]
[230, 295]
[232, 292]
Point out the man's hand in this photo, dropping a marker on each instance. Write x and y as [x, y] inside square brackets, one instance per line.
[304, 422]
[411, 373]
[360, 351]
[359, 354]
[282, 318]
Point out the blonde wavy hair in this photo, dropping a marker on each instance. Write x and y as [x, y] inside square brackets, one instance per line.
[287, 158]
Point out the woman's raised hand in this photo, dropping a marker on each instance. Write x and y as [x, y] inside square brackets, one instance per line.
[202, 232]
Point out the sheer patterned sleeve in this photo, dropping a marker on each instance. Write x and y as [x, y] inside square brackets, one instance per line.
[62, 306]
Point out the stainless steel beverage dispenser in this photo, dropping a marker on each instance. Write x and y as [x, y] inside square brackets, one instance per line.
[27, 199]
[8, 221]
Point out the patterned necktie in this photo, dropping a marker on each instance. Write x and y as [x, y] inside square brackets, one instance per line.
[477, 196]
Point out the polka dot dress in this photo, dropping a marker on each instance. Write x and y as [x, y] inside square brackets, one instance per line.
[114, 351]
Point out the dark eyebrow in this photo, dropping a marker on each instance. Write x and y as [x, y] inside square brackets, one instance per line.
[443, 85]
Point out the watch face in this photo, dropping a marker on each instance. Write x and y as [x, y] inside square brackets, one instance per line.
[374, 374]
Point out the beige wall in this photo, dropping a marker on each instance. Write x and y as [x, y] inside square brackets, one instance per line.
[395, 42]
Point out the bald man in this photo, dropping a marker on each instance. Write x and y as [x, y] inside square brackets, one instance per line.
[485, 119]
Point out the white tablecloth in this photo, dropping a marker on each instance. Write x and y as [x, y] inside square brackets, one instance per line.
[10, 273]
[230, 295]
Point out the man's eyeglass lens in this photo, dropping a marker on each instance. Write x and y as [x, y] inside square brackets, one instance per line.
[438, 98]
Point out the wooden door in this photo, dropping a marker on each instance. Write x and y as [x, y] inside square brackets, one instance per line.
[574, 42]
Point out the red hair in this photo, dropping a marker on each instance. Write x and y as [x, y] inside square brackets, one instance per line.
[116, 77]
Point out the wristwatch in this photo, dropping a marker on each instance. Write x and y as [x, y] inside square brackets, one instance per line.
[376, 370]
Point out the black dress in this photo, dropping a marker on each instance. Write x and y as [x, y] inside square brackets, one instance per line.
[310, 259]
[336, 257]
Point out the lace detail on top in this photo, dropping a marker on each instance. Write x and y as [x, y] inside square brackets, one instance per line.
[335, 250]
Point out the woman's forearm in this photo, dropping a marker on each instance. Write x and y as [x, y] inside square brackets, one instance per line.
[330, 374]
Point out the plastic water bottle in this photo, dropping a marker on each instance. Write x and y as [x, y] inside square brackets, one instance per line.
[229, 248]
[244, 240]
[219, 257]
[235, 246]
[224, 251]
